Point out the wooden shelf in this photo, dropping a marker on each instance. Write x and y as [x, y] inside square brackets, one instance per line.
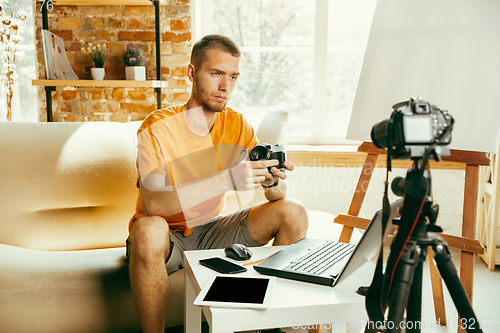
[101, 83]
[103, 2]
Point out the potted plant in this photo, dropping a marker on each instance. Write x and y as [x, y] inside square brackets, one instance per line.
[98, 55]
[134, 60]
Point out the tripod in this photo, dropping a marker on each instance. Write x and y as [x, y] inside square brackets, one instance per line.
[402, 281]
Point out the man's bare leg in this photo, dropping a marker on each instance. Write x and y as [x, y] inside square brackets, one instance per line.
[284, 220]
[150, 246]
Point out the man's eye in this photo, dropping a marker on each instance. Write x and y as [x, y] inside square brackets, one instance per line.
[234, 78]
[215, 74]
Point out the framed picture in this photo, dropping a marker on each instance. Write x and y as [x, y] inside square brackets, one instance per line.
[56, 63]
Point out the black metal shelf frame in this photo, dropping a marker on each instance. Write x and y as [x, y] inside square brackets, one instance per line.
[50, 89]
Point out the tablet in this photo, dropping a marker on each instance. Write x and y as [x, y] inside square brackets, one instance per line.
[233, 291]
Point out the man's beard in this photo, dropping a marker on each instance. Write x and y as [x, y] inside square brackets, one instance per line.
[210, 106]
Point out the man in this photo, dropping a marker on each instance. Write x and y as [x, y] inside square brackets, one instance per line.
[188, 157]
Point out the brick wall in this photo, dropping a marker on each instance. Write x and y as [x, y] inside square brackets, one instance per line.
[117, 27]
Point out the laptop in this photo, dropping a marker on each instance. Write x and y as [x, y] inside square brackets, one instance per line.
[327, 262]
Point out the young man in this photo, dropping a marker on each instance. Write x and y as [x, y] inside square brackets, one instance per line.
[188, 157]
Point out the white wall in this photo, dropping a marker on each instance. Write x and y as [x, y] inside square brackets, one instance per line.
[446, 52]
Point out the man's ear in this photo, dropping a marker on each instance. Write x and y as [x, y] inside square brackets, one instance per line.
[190, 72]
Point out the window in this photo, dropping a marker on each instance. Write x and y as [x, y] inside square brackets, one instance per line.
[25, 101]
[302, 55]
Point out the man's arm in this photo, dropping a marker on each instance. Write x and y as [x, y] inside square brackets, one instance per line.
[158, 199]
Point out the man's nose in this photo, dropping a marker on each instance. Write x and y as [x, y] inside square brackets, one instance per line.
[224, 84]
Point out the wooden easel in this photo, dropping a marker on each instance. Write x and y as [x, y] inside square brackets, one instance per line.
[489, 191]
[467, 244]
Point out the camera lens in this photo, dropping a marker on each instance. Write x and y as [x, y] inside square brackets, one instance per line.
[259, 153]
[380, 134]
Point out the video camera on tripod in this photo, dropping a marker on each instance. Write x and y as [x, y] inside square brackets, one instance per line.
[414, 126]
[416, 130]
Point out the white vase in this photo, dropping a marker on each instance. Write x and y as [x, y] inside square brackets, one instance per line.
[97, 73]
[137, 73]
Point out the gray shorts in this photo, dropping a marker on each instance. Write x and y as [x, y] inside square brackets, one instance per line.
[217, 234]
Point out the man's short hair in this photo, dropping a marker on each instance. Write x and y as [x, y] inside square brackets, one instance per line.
[209, 42]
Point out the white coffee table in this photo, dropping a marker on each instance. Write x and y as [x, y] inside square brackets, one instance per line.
[294, 304]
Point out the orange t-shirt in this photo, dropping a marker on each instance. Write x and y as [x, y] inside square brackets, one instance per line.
[167, 146]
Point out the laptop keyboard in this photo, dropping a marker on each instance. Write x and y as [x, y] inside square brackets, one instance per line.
[316, 261]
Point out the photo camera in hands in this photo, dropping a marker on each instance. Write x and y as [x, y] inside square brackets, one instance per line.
[414, 126]
[265, 151]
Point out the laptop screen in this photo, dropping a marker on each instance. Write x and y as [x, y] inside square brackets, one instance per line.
[366, 248]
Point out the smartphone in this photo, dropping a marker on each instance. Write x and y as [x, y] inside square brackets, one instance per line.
[222, 266]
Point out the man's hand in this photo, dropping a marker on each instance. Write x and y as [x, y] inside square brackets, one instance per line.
[277, 173]
[241, 176]
[278, 192]
[248, 175]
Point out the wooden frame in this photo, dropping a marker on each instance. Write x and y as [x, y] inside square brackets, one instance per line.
[467, 243]
[488, 212]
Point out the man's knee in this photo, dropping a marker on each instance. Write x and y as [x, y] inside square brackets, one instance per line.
[293, 213]
[149, 238]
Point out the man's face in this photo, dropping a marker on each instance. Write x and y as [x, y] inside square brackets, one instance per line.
[215, 80]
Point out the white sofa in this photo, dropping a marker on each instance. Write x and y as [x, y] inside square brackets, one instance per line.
[68, 191]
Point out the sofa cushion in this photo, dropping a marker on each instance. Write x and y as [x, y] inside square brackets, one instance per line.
[67, 186]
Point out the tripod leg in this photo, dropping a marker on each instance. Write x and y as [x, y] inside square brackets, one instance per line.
[414, 307]
[437, 291]
[401, 287]
[457, 291]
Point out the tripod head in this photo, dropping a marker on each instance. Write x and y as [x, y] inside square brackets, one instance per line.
[430, 209]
